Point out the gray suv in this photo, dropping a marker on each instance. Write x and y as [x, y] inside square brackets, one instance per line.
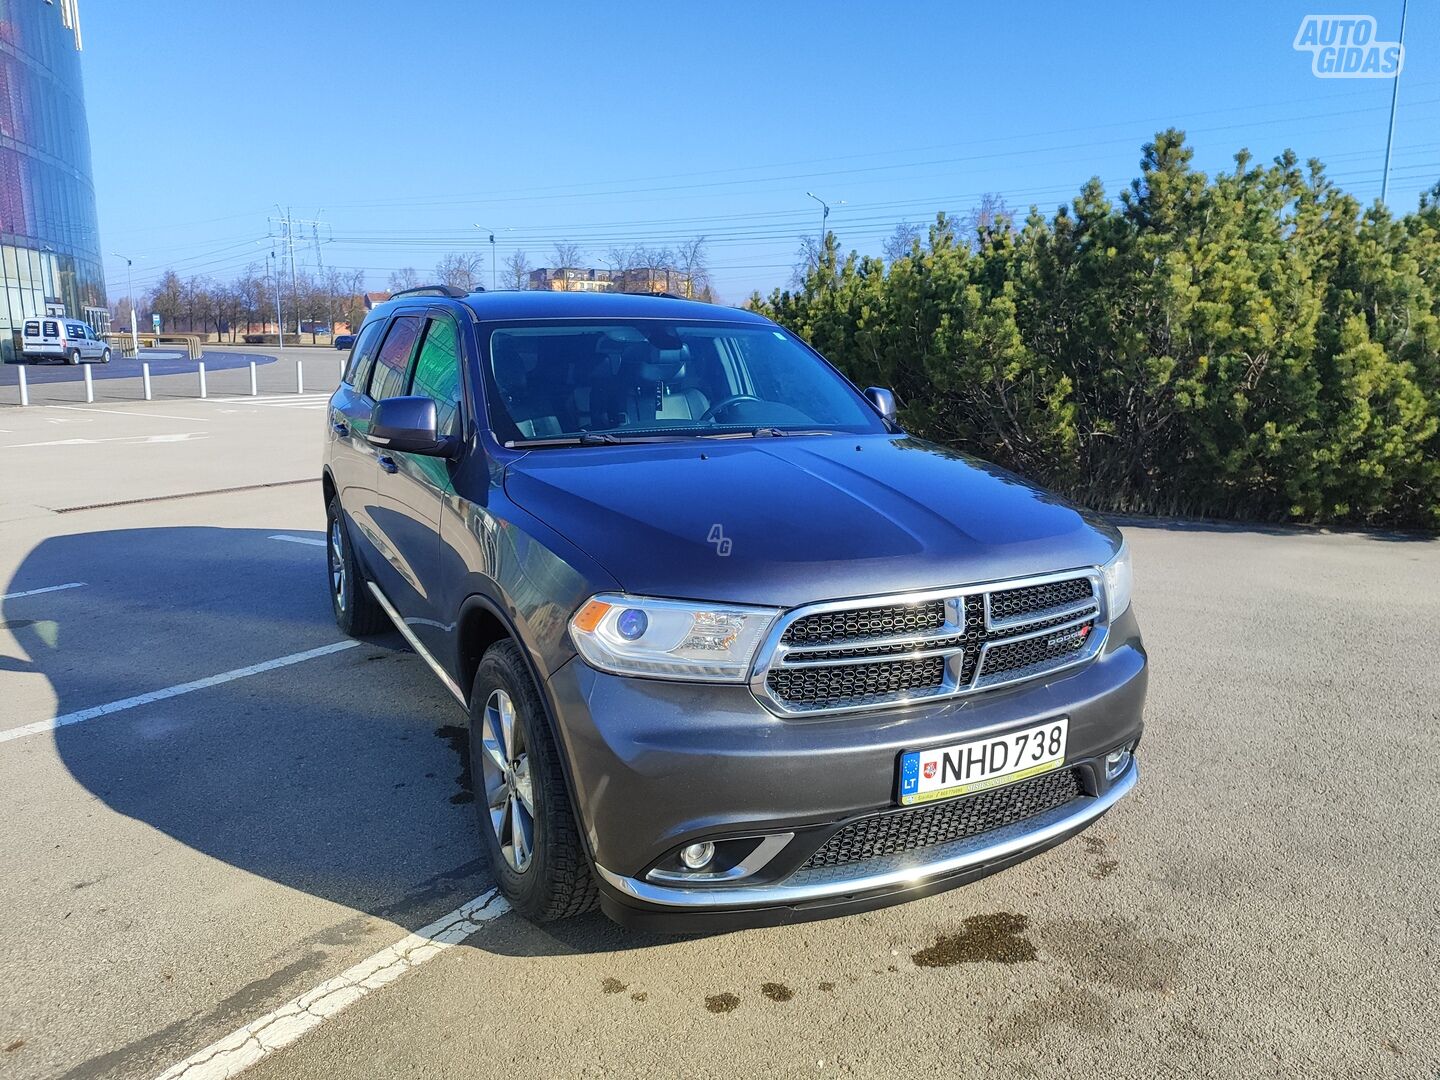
[735, 648]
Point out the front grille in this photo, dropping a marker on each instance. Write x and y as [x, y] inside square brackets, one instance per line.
[897, 831]
[1036, 651]
[1013, 603]
[939, 646]
[855, 623]
[856, 682]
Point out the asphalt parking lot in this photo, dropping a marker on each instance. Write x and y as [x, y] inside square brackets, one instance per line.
[213, 807]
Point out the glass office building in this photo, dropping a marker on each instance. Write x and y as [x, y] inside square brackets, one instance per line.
[49, 240]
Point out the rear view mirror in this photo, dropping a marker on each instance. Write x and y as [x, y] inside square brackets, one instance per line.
[408, 425]
[882, 400]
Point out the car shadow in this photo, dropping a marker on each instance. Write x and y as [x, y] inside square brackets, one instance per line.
[340, 776]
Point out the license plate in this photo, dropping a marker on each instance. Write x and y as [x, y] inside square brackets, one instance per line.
[968, 767]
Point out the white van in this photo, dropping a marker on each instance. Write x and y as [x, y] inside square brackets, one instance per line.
[56, 338]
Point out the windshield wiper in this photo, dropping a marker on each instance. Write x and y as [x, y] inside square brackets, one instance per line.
[765, 433]
[589, 438]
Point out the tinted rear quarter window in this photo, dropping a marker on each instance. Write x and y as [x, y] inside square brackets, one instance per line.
[392, 364]
[362, 355]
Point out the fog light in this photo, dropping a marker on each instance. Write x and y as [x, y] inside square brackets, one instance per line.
[1116, 761]
[697, 856]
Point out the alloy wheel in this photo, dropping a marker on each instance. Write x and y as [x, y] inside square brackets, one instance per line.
[509, 791]
[337, 564]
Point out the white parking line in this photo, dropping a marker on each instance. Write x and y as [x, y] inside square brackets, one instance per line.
[280, 1027]
[47, 588]
[41, 726]
[298, 539]
[140, 414]
[136, 440]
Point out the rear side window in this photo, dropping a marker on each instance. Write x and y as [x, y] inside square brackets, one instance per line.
[392, 365]
[437, 374]
[362, 354]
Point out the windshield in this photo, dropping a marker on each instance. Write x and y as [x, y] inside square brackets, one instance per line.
[660, 378]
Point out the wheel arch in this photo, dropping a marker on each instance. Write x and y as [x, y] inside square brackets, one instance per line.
[482, 622]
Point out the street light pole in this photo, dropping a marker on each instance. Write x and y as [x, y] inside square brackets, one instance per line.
[1394, 99]
[482, 228]
[279, 317]
[824, 216]
[130, 287]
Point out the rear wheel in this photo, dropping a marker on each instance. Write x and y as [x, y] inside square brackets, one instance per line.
[526, 823]
[357, 612]
[73, 357]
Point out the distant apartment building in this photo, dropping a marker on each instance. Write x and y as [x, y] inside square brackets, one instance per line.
[654, 280]
[570, 279]
[642, 280]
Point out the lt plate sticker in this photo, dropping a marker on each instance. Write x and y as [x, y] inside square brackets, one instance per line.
[965, 768]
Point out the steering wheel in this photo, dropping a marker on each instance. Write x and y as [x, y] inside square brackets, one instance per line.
[722, 405]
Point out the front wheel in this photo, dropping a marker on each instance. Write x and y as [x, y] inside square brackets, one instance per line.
[357, 612]
[105, 357]
[526, 823]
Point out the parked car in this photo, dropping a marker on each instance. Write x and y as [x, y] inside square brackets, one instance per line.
[56, 338]
[734, 647]
[344, 341]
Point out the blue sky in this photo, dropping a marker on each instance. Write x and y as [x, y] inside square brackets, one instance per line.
[608, 124]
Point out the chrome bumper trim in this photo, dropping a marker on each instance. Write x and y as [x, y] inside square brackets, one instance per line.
[870, 876]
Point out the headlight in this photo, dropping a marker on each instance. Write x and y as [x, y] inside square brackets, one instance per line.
[668, 639]
[1118, 579]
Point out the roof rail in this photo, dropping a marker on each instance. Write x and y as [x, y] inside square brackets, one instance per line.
[434, 290]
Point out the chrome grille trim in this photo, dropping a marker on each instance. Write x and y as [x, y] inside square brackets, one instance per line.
[776, 655]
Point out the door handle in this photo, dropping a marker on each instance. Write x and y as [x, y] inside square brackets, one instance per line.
[339, 427]
[388, 463]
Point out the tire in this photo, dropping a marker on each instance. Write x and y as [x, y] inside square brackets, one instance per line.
[555, 880]
[357, 612]
[73, 357]
[105, 357]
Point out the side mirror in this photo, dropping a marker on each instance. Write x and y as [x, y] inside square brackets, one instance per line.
[882, 400]
[407, 425]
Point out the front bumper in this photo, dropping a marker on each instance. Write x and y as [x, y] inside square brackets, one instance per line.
[656, 765]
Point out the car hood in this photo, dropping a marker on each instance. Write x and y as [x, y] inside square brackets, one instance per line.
[795, 519]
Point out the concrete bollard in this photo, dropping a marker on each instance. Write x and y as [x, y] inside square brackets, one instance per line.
[299, 377]
[89, 385]
[24, 384]
[202, 378]
[145, 378]
[254, 386]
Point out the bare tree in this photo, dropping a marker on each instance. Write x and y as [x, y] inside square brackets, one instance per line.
[250, 290]
[404, 278]
[568, 256]
[692, 260]
[987, 216]
[620, 259]
[807, 258]
[902, 241]
[517, 271]
[461, 269]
